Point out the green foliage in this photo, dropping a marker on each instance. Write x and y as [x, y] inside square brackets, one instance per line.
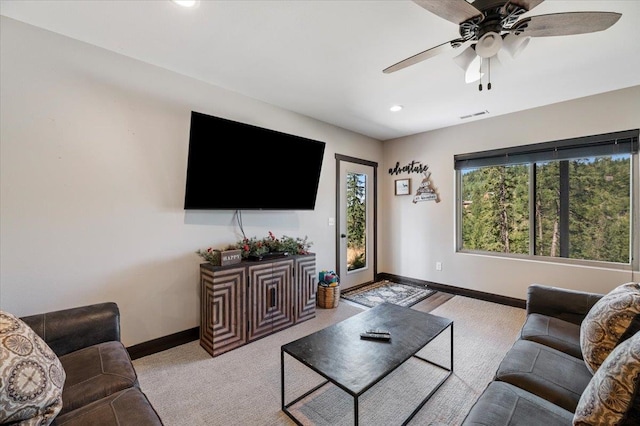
[260, 246]
[293, 245]
[210, 255]
[495, 215]
[547, 209]
[600, 209]
[356, 210]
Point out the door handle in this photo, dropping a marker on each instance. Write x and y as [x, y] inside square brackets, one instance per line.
[343, 235]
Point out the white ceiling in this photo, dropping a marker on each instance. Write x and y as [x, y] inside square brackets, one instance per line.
[324, 59]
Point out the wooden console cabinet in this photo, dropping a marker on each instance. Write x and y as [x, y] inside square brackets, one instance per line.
[252, 299]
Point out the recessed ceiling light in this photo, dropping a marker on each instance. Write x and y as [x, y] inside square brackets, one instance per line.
[186, 3]
[396, 108]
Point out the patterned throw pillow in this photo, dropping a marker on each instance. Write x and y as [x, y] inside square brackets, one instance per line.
[611, 320]
[31, 375]
[611, 391]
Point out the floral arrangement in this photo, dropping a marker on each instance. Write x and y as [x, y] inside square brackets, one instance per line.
[258, 247]
[210, 255]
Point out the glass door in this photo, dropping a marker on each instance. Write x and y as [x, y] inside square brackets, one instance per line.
[356, 226]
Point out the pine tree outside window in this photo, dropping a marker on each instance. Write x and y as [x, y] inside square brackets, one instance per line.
[569, 199]
[356, 221]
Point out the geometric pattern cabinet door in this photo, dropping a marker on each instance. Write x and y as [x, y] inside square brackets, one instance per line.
[252, 299]
[222, 309]
[305, 281]
[270, 298]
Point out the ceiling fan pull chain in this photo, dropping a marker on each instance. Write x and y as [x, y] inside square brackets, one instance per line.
[480, 72]
[489, 73]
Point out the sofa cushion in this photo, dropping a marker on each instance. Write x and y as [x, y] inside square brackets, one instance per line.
[610, 321]
[611, 392]
[68, 330]
[96, 372]
[552, 375]
[127, 407]
[553, 332]
[31, 375]
[502, 404]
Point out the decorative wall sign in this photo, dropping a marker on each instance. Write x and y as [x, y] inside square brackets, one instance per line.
[426, 191]
[412, 167]
[403, 186]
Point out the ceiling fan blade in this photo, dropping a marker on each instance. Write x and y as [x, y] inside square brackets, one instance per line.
[456, 11]
[568, 23]
[526, 4]
[429, 53]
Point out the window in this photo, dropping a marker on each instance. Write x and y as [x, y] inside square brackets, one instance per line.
[356, 221]
[568, 199]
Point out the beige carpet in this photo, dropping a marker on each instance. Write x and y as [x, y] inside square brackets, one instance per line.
[242, 387]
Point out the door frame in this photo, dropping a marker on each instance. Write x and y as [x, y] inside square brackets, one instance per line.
[340, 158]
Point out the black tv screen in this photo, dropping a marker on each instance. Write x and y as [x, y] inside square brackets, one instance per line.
[236, 166]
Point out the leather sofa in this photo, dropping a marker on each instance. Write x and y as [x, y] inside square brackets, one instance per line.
[101, 386]
[542, 377]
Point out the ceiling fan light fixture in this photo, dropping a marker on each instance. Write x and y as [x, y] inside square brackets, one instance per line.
[489, 44]
[470, 64]
[473, 72]
[464, 59]
[515, 44]
[483, 24]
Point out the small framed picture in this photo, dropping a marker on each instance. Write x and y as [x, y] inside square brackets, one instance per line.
[403, 186]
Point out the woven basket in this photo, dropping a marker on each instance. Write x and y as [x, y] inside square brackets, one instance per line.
[328, 297]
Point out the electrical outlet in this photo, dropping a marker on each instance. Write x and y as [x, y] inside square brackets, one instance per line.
[332, 221]
[438, 266]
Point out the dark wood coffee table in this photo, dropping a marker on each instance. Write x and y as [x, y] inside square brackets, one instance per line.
[355, 365]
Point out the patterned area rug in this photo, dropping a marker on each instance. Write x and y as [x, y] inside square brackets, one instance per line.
[387, 291]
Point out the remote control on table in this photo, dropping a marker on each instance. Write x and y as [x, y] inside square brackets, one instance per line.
[378, 331]
[376, 336]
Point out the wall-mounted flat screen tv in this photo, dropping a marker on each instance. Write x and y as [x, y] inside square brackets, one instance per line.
[237, 166]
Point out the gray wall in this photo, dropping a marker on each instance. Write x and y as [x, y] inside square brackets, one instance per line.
[418, 235]
[93, 163]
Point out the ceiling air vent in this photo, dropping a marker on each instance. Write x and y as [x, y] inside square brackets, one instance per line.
[474, 115]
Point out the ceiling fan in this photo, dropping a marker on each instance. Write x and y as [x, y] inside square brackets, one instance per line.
[487, 26]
